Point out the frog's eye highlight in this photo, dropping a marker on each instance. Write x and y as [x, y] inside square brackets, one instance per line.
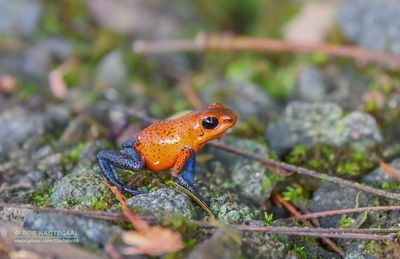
[210, 123]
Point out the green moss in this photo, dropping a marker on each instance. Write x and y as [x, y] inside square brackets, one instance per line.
[99, 203]
[299, 250]
[73, 156]
[390, 186]
[237, 16]
[75, 153]
[71, 202]
[190, 243]
[296, 195]
[345, 222]
[26, 89]
[272, 180]
[42, 199]
[298, 155]
[268, 218]
[333, 160]
[278, 81]
[179, 223]
[67, 17]
[319, 58]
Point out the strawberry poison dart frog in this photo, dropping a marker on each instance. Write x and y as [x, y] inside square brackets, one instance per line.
[169, 144]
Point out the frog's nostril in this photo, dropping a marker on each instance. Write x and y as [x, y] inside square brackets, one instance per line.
[228, 119]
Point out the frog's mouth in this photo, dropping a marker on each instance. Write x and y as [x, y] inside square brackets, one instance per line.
[227, 131]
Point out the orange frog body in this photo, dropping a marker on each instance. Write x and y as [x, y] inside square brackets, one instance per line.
[169, 144]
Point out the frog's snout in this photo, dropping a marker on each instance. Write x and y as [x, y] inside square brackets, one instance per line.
[229, 119]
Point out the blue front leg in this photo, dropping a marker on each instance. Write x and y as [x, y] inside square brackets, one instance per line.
[188, 171]
[186, 180]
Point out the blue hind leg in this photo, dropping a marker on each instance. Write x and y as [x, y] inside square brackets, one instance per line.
[128, 158]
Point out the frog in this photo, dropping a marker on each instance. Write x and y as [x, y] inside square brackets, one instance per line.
[169, 144]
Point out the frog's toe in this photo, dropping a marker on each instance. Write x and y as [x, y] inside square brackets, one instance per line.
[132, 191]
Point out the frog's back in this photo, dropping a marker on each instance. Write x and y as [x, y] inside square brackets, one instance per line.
[161, 142]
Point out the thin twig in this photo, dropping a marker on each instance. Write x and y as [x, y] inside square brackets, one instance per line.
[303, 171]
[343, 211]
[109, 216]
[295, 212]
[316, 232]
[229, 43]
[299, 231]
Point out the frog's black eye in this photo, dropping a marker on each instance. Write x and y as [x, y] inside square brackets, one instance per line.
[210, 123]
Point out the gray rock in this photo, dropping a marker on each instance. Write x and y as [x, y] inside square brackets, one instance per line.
[332, 197]
[313, 250]
[78, 188]
[231, 213]
[39, 57]
[262, 245]
[111, 70]
[94, 233]
[76, 131]
[248, 100]
[11, 247]
[357, 249]
[88, 156]
[26, 165]
[321, 123]
[17, 126]
[146, 19]
[372, 24]
[11, 63]
[163, 203]
[220, 246]
[248, 176]
[312, 84]
[59, 116]
[14, 215]
[378, 176]
[19, 17]
[392, 220]
[342, 85]
[358, 129]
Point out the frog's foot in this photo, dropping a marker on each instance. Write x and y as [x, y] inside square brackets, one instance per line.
[192, 188]
[131, 190]
[128, 158]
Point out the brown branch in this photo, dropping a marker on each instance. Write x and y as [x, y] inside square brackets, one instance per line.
[343, 211]
[295, 212]
[229, 43]
[366, 234]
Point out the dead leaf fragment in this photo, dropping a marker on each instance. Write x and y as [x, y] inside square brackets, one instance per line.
[57, 85]
[155, 241]
[8, 84]
[147, 239]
